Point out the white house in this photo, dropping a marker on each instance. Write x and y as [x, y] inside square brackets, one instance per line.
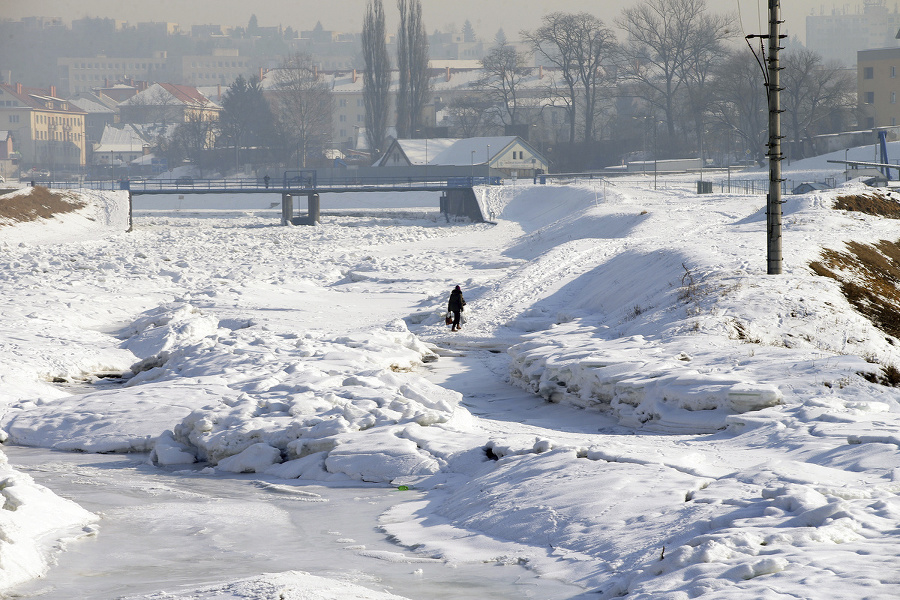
[509, 154]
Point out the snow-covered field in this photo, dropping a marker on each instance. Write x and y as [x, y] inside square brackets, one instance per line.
[707, 431]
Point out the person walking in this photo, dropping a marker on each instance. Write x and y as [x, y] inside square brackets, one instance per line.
[455, 306]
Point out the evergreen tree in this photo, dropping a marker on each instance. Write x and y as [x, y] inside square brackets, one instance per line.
[468, 32]
[246, 117]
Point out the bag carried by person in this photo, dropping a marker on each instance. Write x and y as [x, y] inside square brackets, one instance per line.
[448, 319]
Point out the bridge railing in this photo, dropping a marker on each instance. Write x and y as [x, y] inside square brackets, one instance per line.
[297, 184]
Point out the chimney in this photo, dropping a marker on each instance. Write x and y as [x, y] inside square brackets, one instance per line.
[53, 91]
[18, 88]
[261, 73]
[219, 92]
[541, 72]
[448, 73]
[354, 75]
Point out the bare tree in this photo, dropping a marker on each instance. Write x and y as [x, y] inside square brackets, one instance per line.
[376, 77]
[412, 64]
[704, 51]
[303, 107]
[472, 116]
[739, 106]
[196, 136]
[504, 71]
[577, 44]
[656, 56]
[155, 105]
[814, 96]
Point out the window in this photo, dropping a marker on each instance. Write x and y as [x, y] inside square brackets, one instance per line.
[870, 97]
[342, 102]
[342, 118]
[893, 72]
[893, 97]
[869, 73]
[870, 122]
[13, 118]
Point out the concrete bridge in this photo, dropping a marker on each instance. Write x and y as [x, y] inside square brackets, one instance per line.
[457, 193]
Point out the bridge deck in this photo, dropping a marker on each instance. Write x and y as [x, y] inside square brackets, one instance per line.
[303, 187]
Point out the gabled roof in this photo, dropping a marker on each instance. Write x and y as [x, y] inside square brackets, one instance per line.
[125, 139]
[485, 150]
[420, 152]
[91, 106]
[185, 93]
[167, 93]
[37, 98]
[455, 152]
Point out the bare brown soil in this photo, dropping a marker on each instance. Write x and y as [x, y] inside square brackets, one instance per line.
[39, 203]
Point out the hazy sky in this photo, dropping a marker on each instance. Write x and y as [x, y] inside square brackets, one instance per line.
[487, 16]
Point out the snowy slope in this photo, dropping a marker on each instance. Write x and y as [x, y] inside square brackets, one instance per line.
[708, 433]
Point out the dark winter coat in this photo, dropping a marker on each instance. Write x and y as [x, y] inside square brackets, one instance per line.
[456, 301]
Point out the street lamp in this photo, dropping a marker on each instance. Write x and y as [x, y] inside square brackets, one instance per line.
[473, 166]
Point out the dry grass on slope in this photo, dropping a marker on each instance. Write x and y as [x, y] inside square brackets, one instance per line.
[869, 273]
[39, 203]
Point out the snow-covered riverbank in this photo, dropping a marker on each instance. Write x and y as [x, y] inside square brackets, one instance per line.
[708, 430]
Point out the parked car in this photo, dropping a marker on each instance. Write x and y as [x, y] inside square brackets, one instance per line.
[184, 180]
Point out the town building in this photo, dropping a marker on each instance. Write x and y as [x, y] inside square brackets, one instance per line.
[48, 130]
[100, 109]
[509, 155]
[878, 87]
[85, 73]
[540, 118]
[221, 67]
[117, 149]
[838, 36]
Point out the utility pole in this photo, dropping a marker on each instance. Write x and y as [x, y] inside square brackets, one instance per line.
[773, 88]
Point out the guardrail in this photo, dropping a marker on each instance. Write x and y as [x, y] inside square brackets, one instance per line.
[188, 184]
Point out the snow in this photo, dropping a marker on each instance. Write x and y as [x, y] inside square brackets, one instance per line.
[632, 406]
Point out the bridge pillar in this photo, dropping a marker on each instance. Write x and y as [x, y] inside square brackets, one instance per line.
[313, 204]
[461, 202]
[287, 209]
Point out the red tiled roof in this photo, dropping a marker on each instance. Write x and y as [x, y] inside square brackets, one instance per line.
[185, 93]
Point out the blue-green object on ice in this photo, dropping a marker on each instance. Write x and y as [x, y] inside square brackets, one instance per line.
[403, 488]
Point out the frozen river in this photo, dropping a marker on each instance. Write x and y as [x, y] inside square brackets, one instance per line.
[172, 530]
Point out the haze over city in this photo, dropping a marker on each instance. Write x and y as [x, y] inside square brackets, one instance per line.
[486, 17]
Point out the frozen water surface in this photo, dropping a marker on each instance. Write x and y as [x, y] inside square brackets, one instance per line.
[167, 530]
